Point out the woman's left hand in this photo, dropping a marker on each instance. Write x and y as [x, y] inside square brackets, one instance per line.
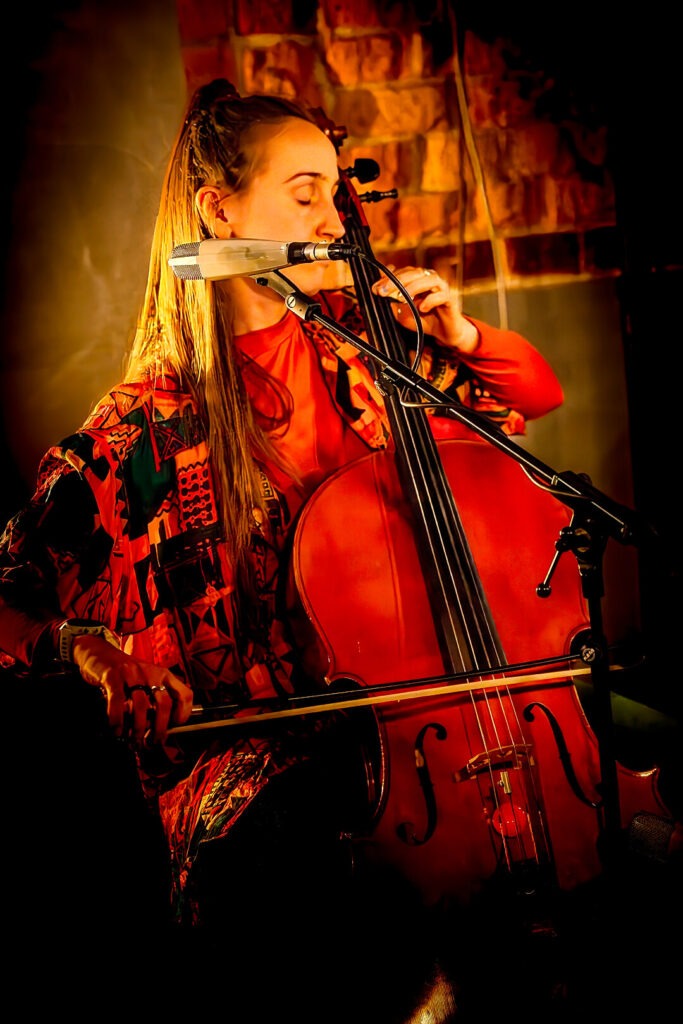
[436, 302]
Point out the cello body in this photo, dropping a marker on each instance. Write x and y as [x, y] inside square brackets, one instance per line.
[473, 784]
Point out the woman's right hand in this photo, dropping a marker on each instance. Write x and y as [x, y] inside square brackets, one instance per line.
[143, 700]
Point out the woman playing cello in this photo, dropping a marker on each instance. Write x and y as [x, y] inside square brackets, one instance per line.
[151, 555]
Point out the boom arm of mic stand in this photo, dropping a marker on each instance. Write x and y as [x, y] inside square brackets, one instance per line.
[572, 489]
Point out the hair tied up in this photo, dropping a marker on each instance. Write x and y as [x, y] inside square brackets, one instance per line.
[208, 94]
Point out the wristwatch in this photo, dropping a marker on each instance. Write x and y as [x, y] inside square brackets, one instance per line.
[71, 628]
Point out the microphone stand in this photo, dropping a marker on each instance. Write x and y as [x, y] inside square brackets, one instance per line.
[595, 519]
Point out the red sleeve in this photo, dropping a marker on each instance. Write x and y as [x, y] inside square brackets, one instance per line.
[505, 364]
[514, 372]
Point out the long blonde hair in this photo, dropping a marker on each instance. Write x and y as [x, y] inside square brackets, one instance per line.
[182, 327]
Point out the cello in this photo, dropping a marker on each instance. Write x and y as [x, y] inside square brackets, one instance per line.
[500, 776]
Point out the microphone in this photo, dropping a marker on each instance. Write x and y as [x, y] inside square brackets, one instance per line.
[219, 258]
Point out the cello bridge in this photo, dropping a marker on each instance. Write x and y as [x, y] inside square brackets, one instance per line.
[497, 759]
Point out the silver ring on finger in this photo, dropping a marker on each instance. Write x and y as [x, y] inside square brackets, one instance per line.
[157, 689]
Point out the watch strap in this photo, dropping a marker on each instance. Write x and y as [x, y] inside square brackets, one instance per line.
[71, 628]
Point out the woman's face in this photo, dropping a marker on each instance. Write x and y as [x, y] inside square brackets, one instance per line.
[291, 196]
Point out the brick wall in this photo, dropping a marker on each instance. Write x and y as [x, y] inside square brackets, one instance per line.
[500, 162]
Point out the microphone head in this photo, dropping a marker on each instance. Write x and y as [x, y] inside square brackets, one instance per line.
[186, 249]
[183, 261]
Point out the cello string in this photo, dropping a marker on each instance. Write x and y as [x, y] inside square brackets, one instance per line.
[459, 586]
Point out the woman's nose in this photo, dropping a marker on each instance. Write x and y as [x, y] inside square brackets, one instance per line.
[332, 226]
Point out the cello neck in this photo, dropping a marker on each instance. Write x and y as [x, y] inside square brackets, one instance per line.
[462, 619]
